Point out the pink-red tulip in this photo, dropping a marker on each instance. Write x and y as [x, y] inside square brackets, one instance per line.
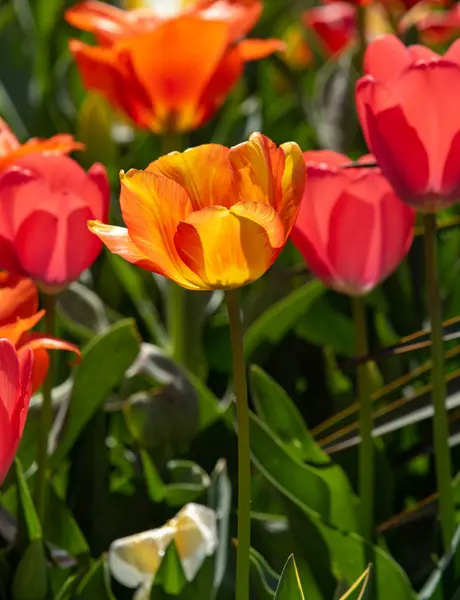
[408, 106]
[352, 230]
[46, 204]
[15, 390]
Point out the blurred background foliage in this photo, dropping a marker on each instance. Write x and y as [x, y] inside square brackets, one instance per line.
[135, 438]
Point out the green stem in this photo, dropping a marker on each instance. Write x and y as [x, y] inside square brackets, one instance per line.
[49, 302]
[366, 448]
[244, 460]
[440, 420]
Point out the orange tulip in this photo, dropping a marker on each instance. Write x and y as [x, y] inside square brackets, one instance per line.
[18, 315]
[211, 217]
[11, 150]
[168, 75]
[110, 24]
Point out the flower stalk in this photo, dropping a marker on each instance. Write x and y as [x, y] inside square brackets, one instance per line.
[366, 448]
[440, 419]
[49, 302]
[244, 460]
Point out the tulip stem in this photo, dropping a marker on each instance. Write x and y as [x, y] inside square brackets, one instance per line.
[440, 419]
[366, 448]
[244, 460]
[49, 302]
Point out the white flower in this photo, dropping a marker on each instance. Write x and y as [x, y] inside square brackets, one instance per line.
[134, 560]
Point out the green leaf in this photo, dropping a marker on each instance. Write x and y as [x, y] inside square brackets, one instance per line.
[29, 527]
[275, 322]
[82, 311]
[155, 486]
[324, 490]
[324, 325]
[95, 584]
[190, 482]
[61, 528]
[289, 587]
[326, 523]
[445, 579]
[263, 577]
[170, 576]
[220, 499]
[31, 578]
[103, 364]
[280, 413]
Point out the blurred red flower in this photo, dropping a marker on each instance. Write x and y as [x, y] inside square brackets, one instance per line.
[11, 150]
[167, 74]
[408, 109]
[334, 24]
[16, 389]
[352, 230]
[46, 203]
[18, 315]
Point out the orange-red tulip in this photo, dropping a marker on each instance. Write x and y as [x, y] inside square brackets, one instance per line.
[211, 217]
[110, 24]
[352, 230]
[11, 150]
[18, 315]
[15, 392]
[46, 203]
[167, 75]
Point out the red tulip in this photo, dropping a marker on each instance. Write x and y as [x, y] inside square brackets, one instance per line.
[352, 230]
[18, 315]
[408, 106]
[46, 203]
[334, 24]
[11, 150]
[15, 392]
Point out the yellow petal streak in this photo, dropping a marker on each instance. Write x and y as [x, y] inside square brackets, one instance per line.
[228, 248]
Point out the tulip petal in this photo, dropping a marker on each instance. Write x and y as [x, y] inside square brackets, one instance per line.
[269, 174]
[134, 559]
[34, 249]
[105, 21]
[386, 58]
[118, 241]
[14, 331]
[225, 76]
[453, 54]
[228, 248]
[396, 144]
[18, 298]
[9, 375]
[37, 341]
[152, 207]
[195, 48]
[26, 368]
[204, 172]
[241, 17]
[253, 49]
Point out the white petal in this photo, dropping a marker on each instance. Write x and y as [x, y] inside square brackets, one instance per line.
[195, 536]
[135, 559]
